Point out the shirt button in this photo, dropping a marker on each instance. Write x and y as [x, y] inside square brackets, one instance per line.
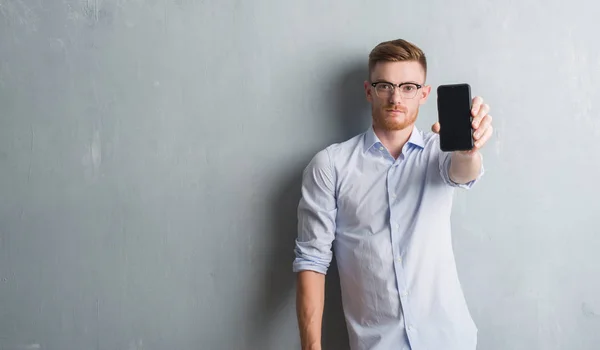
[404, 295]
[410, 328]
[381, 148]
[399, 259]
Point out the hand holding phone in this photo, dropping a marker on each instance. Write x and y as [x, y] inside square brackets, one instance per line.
[454, 116]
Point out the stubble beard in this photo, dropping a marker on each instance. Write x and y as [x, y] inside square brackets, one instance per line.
[392, 124]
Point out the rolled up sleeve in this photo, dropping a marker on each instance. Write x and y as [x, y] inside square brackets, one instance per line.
[445, 159]
[317, 211]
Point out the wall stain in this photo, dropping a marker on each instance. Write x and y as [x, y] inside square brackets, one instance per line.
[588, 311]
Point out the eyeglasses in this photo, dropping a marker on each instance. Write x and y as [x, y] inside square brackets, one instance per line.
[385, 90]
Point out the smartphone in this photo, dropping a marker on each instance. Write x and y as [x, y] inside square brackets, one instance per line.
[454, 116]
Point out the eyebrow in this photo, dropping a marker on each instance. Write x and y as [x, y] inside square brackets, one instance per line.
[389, 82]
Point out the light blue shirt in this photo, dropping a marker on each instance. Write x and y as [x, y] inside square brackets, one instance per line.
[388, 222]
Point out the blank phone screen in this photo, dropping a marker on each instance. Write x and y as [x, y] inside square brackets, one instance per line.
[454, 116]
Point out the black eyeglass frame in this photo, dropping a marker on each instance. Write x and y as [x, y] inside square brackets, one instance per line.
[419, 86]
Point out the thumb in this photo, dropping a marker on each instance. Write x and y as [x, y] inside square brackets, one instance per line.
[435, 127]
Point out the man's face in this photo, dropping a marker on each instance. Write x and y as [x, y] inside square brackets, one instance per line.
[396, 110]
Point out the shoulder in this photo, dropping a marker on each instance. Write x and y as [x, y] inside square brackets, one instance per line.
[321, 173]
[321, 160]
[326, 157]
[430, 144]
[431, 140]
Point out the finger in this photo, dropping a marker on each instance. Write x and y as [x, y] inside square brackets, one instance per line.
[486, 136]
[481, 142]
[477, 102]
[485, 123]
[479, 132]
[483, 111]
[436, 128]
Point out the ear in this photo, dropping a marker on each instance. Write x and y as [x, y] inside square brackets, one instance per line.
[425, 91]
[368, 91]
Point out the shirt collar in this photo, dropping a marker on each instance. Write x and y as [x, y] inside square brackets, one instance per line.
[371, 138]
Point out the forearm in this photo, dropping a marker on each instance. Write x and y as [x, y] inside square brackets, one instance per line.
[465, 167]
[310, 300]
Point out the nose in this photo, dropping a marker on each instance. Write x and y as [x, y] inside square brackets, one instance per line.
[396, 97]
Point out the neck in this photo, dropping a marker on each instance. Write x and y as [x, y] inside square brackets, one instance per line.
[394, 140]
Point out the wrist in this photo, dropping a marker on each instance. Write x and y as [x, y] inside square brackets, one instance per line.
[467, 155]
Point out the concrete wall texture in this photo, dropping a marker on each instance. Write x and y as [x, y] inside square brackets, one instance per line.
[151, 154]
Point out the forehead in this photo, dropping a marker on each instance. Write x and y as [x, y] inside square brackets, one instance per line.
[398, 72]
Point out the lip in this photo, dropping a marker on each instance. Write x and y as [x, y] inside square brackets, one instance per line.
[396, 111]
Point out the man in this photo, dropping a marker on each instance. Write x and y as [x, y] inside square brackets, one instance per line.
[382, 202]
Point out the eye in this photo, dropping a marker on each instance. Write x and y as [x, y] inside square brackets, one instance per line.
[408, 88]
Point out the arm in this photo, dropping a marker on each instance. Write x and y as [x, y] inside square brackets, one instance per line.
[462, 169]
[317, 212]
[465, 167]
[310, 301]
